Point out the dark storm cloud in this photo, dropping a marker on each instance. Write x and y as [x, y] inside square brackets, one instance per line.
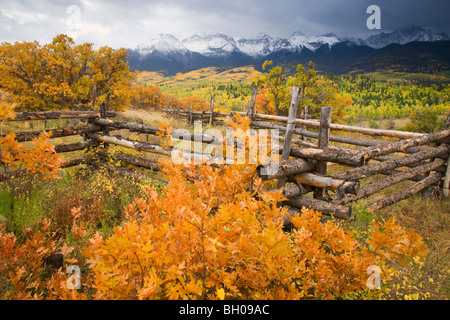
[127, 23]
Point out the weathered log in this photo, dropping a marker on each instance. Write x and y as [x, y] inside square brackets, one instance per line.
[446, 186]
[46, 115]
[251, 106]
[346, 140]
[57, 133]
[414, 189]
[290, 190]
[147, 147]
[322, 143]
[388, 181]
[211, 111]
[136, 145]
[52, 263]
[121, 171]
[132, 160]
[327, 208]
[376, 168]
[196, 136]
[342, 157]
[315, 135]
[61, 148]
[402, 145]
[72, 162]
[417, 178]
[132, 127]
[276, 170]
[335, 126]
[289, 130]
[64, 164]
[325, 182]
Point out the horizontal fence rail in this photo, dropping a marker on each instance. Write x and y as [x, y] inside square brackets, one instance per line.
[405, 156]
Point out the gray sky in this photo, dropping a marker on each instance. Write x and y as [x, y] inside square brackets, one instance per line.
[130, 22]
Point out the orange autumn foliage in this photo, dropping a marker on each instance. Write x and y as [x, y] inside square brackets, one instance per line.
[19, 162]
[263, 104]
[22, 268]
[198, 104]
[65, 75]
[208, 236]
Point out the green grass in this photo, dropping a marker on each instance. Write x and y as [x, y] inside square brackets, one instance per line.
[29, 207]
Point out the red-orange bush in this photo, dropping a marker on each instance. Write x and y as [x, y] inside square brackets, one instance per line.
[213, 238]
[22, 272]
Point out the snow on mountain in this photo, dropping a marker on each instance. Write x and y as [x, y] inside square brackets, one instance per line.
[211, 44]
[221, 45]
[299, 40]
[259, 46]
[165, 44]
[403, 36]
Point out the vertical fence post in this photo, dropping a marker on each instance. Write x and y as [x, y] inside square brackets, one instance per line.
[103, 116]
[251, 107]
[289, 130]
[324, 132]
[211, 110]
[305, 116]
[190, 114]
[445, 188]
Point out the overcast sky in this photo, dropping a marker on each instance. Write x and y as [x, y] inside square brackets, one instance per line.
[131, 22]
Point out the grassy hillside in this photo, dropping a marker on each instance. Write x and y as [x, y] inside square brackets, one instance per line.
[231, 88]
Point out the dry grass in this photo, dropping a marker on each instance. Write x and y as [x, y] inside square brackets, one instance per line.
[427, 216]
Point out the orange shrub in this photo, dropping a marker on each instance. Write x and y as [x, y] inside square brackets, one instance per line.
[209, 236]
[198, 104]
[22, 272]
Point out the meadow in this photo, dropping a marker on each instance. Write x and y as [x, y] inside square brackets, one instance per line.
[90, 213]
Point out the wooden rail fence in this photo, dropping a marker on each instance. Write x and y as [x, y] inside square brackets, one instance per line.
[306, 153]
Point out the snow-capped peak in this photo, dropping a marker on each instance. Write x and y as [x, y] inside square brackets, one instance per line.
[210, 44]
[404, 35]
[258, 46]
[299, 40]
[220, 45]
[165, 43]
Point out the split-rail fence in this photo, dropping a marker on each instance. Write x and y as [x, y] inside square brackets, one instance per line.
[308, 149]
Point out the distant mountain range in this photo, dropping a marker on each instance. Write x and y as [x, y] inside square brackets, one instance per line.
[412, 49]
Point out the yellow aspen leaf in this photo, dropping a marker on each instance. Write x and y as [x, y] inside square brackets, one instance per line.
[220, 292]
